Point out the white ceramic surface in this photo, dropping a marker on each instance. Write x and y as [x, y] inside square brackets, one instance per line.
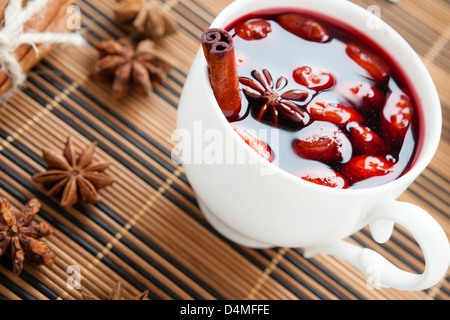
[266, 210]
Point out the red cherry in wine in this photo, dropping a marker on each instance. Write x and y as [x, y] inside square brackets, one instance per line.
[375, 65]
[323, 176]
[362, 96]
[253, 30]
[333, 112]
[396, 117]
[366, 141]
[323, 142]
[313, 79]
[257, 145]
[364, 166]
[303, 27]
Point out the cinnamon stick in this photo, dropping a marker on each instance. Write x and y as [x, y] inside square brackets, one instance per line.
[51, 19]
[218, 48]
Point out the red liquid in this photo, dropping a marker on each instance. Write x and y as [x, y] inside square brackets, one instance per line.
[321, 91]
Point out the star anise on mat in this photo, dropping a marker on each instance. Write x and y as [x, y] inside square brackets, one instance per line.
[116, 294]
[147, 18]
[73, 176]
[270, 105]
[129, 67]
[19, 235]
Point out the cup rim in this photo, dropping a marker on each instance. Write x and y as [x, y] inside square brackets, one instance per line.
[430, 135]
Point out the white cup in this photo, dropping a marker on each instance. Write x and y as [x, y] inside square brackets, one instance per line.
[256, 209]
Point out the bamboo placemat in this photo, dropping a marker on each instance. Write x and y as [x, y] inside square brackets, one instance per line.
[147, 231]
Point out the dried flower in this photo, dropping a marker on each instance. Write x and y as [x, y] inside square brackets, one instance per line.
[116, 294]
[147, 18]
[19, 235]
[128, 67]
[73, 176]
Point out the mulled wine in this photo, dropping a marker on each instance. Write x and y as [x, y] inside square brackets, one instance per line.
[335, 108]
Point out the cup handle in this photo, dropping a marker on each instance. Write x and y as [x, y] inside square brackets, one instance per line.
[427, 232]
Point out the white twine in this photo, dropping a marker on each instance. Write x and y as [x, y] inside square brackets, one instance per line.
[12, 36]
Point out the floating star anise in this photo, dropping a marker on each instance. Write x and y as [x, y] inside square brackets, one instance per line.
[19, 235]
[73, 176]
[146, 18]
[268, 104]
[116, 294]
[129, 67]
